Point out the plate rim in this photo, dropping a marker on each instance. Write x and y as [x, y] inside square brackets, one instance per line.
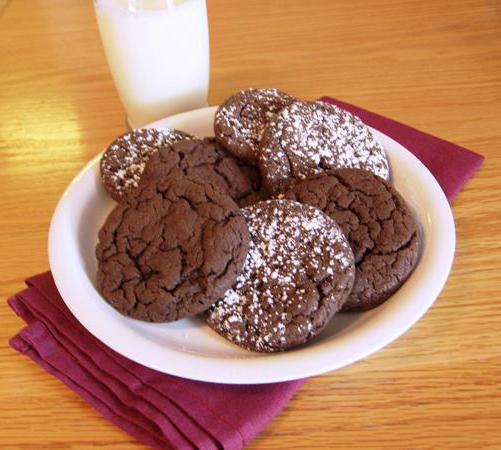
[227, 370]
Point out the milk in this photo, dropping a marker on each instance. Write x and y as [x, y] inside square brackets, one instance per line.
[158, 53]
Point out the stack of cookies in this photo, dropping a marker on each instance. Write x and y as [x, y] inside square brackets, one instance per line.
[286, 217]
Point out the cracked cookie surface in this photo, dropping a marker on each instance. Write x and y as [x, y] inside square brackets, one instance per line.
[380, 227]
[307, 138]
[206, 160]
[239, 122]
[170, 251]
[123, 161]
[298, 273]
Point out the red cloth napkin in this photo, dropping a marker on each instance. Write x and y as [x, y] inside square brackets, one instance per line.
[164, 411]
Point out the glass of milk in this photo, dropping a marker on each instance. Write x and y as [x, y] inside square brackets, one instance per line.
[158, 53]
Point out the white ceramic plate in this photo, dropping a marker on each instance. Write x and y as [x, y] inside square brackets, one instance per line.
[190, 349]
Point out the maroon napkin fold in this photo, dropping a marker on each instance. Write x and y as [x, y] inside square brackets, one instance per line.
[160, 410]
[164, 411]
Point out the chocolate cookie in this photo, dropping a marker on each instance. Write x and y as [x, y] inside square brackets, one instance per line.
[298, 273]
[170, 251]
[240, 120]
[205, 160]
[380, 227]
[307, 138]
[123, 162]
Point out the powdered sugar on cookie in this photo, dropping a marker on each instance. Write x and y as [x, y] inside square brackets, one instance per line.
[123, 162]
[239, 123]
[297, 274]
[307, 138]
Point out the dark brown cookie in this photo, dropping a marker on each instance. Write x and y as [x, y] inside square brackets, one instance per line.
[123, 162]
[205, 160]
[171, 251]
[240, 120]
[380, 227]
[298, 273]
[307, 138]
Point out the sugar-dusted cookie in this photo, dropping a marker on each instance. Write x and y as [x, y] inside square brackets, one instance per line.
[123, 161]
[306, 138]
[240, 120]
[298, 273]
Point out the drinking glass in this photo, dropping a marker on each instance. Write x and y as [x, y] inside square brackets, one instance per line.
[158, 54]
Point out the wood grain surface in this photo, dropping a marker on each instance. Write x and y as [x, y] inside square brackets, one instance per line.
[432, 64]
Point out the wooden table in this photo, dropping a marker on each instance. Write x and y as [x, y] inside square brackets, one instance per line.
[434, 65]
